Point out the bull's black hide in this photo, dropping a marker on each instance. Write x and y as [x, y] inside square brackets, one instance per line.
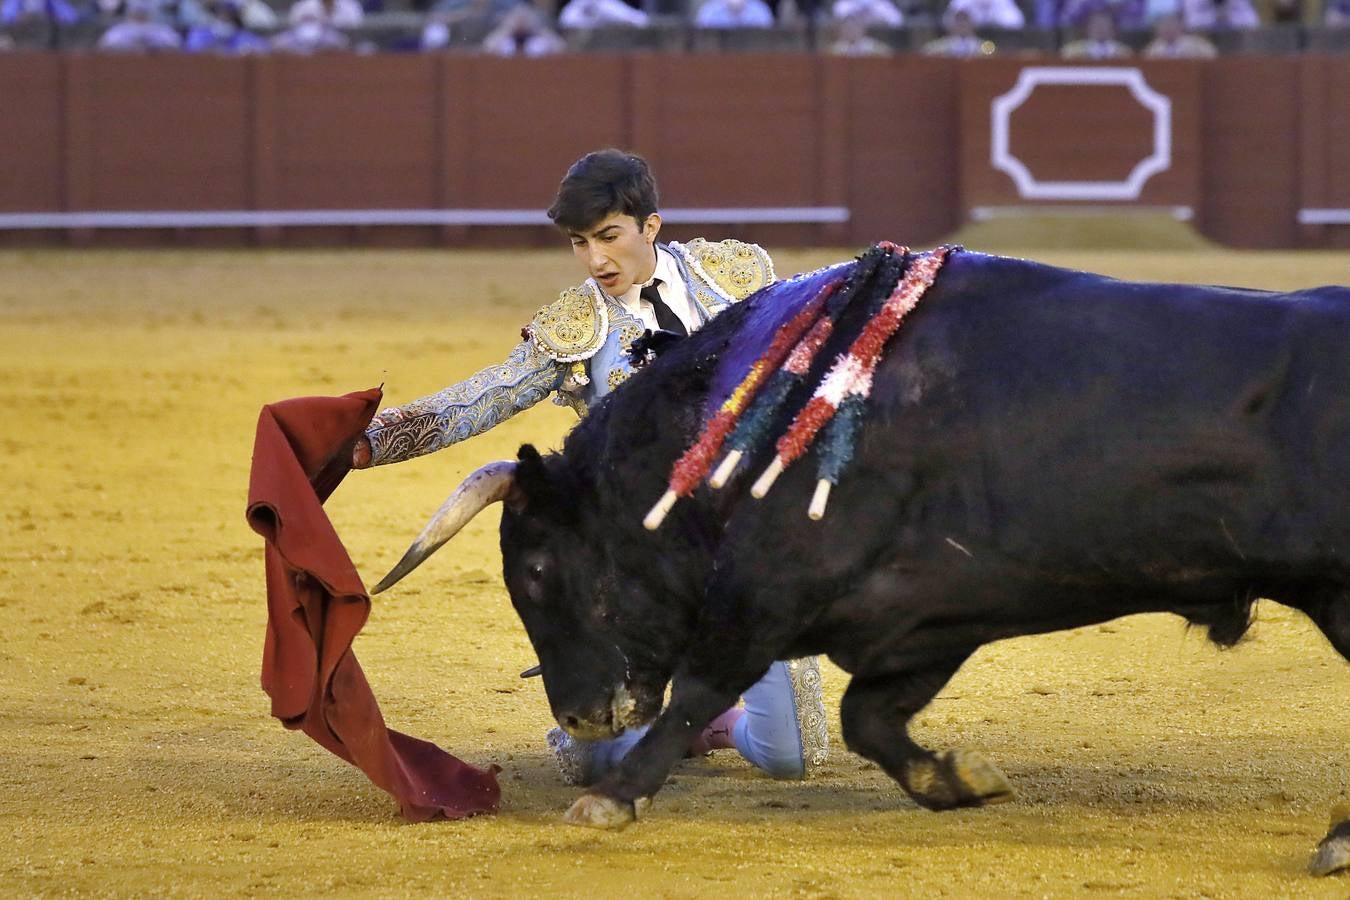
[1043, 449]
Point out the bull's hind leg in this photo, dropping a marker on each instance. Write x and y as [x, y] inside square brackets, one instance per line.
[875, 715]
[1333, 617]
[1329, 608]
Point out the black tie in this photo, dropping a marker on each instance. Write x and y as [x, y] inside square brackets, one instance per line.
[665, 316]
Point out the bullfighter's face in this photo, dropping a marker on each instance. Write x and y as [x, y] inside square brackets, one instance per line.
[618, 251]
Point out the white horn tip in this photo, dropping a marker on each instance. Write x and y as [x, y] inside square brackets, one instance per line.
[723, 474]
[660, 510]
[818, 501]
[767, 479]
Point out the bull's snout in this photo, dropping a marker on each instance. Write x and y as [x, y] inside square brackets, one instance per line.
[592, 724]
[599, 718]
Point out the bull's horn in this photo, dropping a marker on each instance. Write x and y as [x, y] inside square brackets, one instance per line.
[486, 486]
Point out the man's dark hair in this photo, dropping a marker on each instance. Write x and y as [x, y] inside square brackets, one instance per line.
[601, 184]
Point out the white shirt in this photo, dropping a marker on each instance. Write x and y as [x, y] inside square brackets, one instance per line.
[672, 291]
[988, 13]
[600, 13]
[131, 35]
[874, 12]
[344, 14]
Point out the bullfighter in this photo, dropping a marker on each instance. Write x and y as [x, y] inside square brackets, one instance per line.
[578, 348]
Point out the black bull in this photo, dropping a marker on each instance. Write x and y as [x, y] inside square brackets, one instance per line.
[1043, 449]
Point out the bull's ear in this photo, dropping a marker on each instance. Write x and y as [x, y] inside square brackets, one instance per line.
[531, 482]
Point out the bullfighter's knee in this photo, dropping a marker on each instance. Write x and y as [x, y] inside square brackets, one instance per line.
[783, 731]
[781, 759]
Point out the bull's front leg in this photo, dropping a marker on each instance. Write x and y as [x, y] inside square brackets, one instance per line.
[614, 800]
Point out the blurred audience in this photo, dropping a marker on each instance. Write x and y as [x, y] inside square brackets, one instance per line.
[522, 28]
[313, 33]
[1044, 13]
[1286, 12]
[187, 14]
[988, 13]
[734, 14]
[601, 14]
[1153, 10]
[468, 22]
[13, 12]
[337, 13]
[1171, 41]
[960, 41]
[871, 13]
[1219, 15]
[258, 16]
[1127, 14]
[852, 39]
[435, 34]
[523, 32]
[224, 32]
[141, 31]
[1100, 40]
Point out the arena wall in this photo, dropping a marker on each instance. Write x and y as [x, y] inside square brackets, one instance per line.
[1257, 149]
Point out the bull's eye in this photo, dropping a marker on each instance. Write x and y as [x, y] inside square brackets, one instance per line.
[535, 568]
[534, 575]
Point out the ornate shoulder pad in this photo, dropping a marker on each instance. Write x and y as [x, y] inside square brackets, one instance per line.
[571, 328]
[736, 267]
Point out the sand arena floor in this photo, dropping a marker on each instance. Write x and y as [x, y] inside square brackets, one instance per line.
[136, 751]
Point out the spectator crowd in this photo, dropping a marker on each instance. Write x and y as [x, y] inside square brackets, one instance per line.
[1075, 29]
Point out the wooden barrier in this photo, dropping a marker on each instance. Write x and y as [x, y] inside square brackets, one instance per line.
[910, 146]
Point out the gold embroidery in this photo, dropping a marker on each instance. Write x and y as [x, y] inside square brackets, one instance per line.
[812, 726]
[573, 327]
[736, 267]
[618, 375]
[627, 335]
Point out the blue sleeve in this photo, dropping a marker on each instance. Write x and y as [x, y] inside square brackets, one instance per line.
[462, 410]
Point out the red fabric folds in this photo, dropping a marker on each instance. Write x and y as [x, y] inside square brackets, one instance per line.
[316, 605]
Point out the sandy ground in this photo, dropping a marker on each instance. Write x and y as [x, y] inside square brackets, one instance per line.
[136, 751]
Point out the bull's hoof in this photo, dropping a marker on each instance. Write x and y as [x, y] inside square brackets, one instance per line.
[1333, 853]
[979, 781]
[1331, 856]
[598, 811]
[954, 779]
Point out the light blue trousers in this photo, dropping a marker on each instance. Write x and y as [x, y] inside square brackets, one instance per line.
[768, 735]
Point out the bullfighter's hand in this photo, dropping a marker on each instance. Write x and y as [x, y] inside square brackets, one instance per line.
[361, 453]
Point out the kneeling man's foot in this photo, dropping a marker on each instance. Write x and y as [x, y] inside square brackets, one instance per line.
[575, 759]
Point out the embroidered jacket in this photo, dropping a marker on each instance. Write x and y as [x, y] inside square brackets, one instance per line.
[576, 346]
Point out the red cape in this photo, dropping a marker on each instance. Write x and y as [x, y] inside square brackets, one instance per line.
[316, 605]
